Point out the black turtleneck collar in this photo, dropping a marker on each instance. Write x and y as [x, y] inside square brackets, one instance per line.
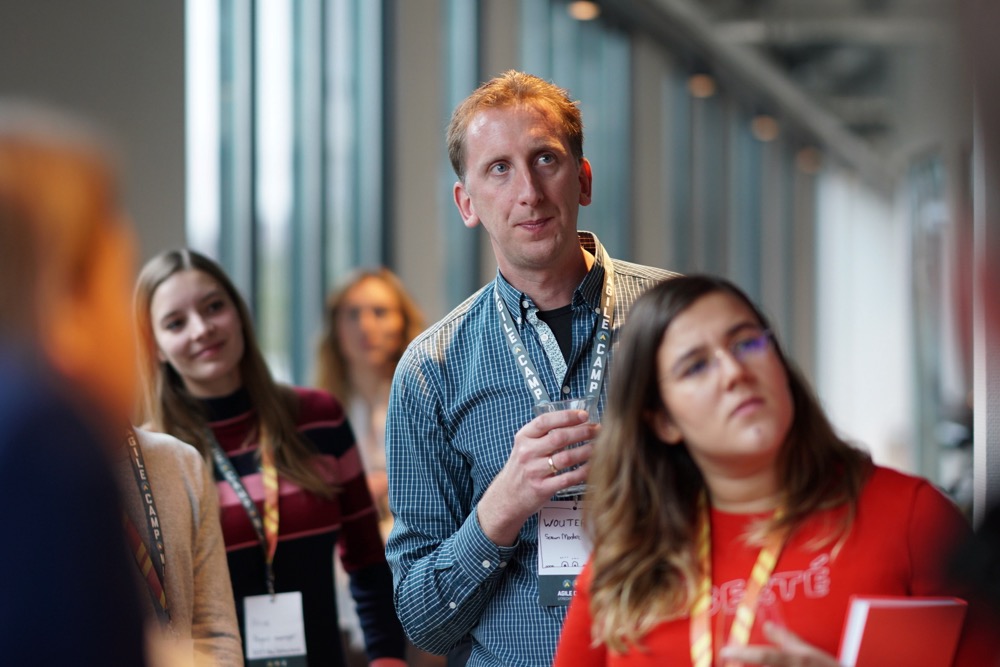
[224, 407]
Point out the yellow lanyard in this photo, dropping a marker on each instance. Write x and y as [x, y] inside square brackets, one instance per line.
[746, 611]
[269, 473]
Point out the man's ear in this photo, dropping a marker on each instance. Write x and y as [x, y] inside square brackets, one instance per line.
[586, 182]
[464, 204]
[663, 426]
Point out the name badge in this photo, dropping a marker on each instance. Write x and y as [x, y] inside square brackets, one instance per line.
[275, 633]
[563, 550]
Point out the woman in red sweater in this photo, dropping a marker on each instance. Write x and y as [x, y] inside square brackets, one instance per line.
[719, 491]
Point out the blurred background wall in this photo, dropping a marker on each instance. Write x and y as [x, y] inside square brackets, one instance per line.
[121, 64]
[820, 154]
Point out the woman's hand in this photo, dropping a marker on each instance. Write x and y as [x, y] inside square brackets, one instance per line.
[787, 651]
[378, 485]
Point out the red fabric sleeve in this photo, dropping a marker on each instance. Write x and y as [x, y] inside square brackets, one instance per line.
[574, 648]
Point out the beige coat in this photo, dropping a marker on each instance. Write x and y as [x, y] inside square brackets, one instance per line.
[198, 589]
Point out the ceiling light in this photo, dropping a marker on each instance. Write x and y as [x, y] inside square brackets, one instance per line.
[764, 127]
[701, 85]
[809, 160]
[584, 11]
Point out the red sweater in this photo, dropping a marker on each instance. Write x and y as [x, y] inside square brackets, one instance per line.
[903, 529]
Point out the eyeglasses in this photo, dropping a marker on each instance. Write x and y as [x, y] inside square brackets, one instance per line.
[745, 348]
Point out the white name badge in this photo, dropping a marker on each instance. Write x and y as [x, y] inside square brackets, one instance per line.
[275, 633]
[562, 551]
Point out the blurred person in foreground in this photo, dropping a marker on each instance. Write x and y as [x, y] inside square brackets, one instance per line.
[470, 468]
[730, 523]
[66, 378]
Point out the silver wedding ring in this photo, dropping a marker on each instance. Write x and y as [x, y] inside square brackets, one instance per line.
[552, 467]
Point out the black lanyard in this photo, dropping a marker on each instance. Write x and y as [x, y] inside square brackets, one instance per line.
[157, 559]
[225, 467]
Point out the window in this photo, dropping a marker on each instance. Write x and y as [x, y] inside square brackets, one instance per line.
[287, 137]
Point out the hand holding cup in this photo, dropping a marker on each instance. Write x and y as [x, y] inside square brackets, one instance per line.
[586, 403]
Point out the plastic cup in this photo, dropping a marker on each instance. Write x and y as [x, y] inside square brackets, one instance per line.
[587, 403]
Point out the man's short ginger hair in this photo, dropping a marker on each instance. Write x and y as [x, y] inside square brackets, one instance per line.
[510, 89]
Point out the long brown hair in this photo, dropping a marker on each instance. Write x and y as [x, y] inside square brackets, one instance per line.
[643, 495]
[167, 406]
[331, 366]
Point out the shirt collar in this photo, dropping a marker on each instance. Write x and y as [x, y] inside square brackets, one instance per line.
[588, 292]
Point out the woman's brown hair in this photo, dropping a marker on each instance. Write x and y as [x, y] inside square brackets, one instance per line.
[331, 366]
[58, 192]
[167, 406]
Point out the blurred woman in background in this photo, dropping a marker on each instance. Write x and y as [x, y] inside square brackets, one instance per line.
[369, 320]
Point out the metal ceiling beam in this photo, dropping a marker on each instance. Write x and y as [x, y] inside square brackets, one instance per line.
[867, 30]
[681, 27]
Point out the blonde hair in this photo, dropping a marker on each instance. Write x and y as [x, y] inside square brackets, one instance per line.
[167, 406]
[57, 193]
[331, 367]
[642, 495]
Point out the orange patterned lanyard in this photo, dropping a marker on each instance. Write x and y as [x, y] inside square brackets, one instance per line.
[151, 565]
[746, 611]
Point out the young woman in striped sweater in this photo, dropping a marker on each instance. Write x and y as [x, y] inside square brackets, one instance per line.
[291, 486]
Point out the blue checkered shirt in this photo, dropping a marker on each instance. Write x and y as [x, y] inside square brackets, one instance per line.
[457, 400]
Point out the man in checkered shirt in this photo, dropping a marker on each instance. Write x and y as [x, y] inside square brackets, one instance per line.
[469, 466]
